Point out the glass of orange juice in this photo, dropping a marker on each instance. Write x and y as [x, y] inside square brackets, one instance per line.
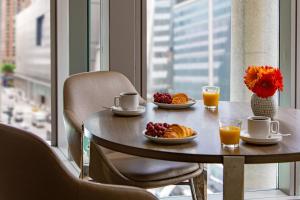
[230, 130]
[211, 96]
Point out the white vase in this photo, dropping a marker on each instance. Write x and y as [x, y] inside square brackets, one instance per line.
[264, 106]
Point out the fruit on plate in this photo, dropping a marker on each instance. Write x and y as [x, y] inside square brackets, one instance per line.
[178, 98]
[162, 98]
[166, 130]
[156, 129]
[178, 131]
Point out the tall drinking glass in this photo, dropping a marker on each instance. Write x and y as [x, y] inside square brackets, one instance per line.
[211, 96]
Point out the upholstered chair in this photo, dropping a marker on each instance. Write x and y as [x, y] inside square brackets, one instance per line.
[91, 92]
[30, 170]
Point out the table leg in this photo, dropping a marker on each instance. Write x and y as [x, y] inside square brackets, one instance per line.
[233, 183]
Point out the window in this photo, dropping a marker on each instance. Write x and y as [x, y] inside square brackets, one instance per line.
[189, 46]
[26, 93]
[39, 30]
[94, 35]
[98, 37]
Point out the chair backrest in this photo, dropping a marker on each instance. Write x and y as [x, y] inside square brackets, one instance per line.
[86, 93]
[30, 170]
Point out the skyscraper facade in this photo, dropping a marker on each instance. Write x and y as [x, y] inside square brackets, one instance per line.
[33, 52]
[160, 46]
[9, 9]
[197, 47]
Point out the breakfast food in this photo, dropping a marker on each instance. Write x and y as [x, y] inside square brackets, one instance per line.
[178, 131]
[166, 130]
[156, 129]
[178, 98]
[162, 98]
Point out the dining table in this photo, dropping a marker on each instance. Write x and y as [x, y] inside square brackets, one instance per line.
[125, 134]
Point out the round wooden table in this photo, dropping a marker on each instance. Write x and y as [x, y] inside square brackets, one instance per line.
[124, 134]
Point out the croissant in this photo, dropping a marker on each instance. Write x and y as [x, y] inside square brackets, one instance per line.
[170, 134]
[178, 131]
[180, 98]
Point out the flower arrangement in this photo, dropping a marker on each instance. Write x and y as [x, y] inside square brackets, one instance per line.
[264, 81]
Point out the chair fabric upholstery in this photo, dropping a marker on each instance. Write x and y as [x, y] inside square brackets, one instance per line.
[30, 170]
[87, 93]
[147, 170]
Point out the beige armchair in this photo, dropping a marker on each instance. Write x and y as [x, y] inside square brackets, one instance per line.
[89, 92]
[30, 170]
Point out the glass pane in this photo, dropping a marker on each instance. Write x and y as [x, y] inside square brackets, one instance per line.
[26, 65]
[94, 35]
[189, 46]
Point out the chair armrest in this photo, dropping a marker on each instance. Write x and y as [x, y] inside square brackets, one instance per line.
[95, 191]
[72, 121]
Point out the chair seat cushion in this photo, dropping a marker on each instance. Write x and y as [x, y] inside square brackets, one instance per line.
[145, 169]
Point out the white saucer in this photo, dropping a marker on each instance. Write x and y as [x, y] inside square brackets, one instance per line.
[119, 111]
[274, 139]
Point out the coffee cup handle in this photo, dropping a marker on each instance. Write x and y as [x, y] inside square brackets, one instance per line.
[274, 127]
[117, 101]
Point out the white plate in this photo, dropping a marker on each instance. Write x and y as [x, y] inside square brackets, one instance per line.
[274, 139]
[119, 111]
[190, 103]
[162, 140]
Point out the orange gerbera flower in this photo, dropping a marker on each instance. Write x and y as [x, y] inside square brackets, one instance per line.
[264, 81]
[265, 87]
[265, 70]
[278, 79]
[252, 76]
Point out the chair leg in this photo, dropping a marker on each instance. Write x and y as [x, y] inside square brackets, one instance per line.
[199, 186]
[193, 191]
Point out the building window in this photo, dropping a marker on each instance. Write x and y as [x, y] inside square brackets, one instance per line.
[189, 46]
[39, 30]
[183, 36]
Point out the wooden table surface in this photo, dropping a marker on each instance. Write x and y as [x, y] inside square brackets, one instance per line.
[124, 134]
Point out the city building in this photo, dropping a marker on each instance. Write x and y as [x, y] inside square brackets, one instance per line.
[191, 36]
[180, 56]
[94, 37]
[8, 12]
[160, 46]
[22, 4]
[33, 55]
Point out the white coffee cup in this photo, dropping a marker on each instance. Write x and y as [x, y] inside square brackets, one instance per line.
[127, 101]
[262, 127]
